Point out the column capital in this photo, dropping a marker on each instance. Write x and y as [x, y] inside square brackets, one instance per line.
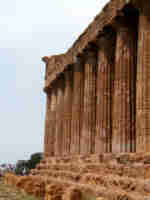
[90, 55]
[78, 64]
[53, 99]
[68, 75]
[102, 41]
[122, 25]
[105, 41]
[144, 7]
[49, 93]
[78, 58]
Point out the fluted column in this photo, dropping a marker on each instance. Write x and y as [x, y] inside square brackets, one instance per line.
[67, 111]
[143, 82]
[47, 125]
[105, 76]
[123, 139]
[89, 109]
[52, 121]
[59, 117]
[77, 106]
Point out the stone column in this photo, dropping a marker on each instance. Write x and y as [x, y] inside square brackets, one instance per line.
[77, 106]
[105, 76]
[89, 109]
[52, 121]
[59, 117]
[67, 111]
[124, 90]
[143, 82]
[47, 125]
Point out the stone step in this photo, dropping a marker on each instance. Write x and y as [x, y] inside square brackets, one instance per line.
[135, 170]
[125, 183]
[95, 191]
[121, 158]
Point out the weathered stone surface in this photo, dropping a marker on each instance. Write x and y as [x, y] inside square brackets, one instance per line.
[95, 94]
[143, 79]
[50, 123]
[47, 137]
[89, 176]
[89, 109]
[53, 121]
[67, 112]
[33, 185]
[104, 93]
[57, 64]
[59, 117]
[123, 135]
[77, 105]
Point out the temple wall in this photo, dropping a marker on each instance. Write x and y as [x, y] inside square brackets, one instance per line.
[104, 85]
[89, 104]
[59, 142]
[77, 106]
[100, 103]
[143, 85]
[67, 112]
[47, 139]
[123, 110]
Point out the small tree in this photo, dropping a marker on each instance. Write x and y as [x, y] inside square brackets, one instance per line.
[34, 160]
[27, 165]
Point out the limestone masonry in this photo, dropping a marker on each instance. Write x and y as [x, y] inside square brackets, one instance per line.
[97, 130]
[98, 93]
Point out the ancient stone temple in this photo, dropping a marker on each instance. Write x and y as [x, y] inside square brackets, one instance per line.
[97, 130]
[98, 98]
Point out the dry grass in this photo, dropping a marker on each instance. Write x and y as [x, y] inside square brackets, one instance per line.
[10, 193]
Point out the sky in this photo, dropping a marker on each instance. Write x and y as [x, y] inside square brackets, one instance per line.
[29, 30]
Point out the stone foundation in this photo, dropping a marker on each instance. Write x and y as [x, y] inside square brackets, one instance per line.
[98, 102]
[106, 176]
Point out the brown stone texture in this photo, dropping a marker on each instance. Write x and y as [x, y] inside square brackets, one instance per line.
[59, 117]
[33, 185]
[104, 92]
[109, 176]
[77, 105]
[123, 100]
[89, 107]
[52, 122]
[58, 63]
[98, 112]
[67, 111]
[47, 125]
[143, 82]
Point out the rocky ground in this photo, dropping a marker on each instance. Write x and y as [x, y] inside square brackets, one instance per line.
[9, 193]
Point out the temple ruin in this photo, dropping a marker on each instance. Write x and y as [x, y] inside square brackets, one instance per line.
[97, 127]
[98, 98]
